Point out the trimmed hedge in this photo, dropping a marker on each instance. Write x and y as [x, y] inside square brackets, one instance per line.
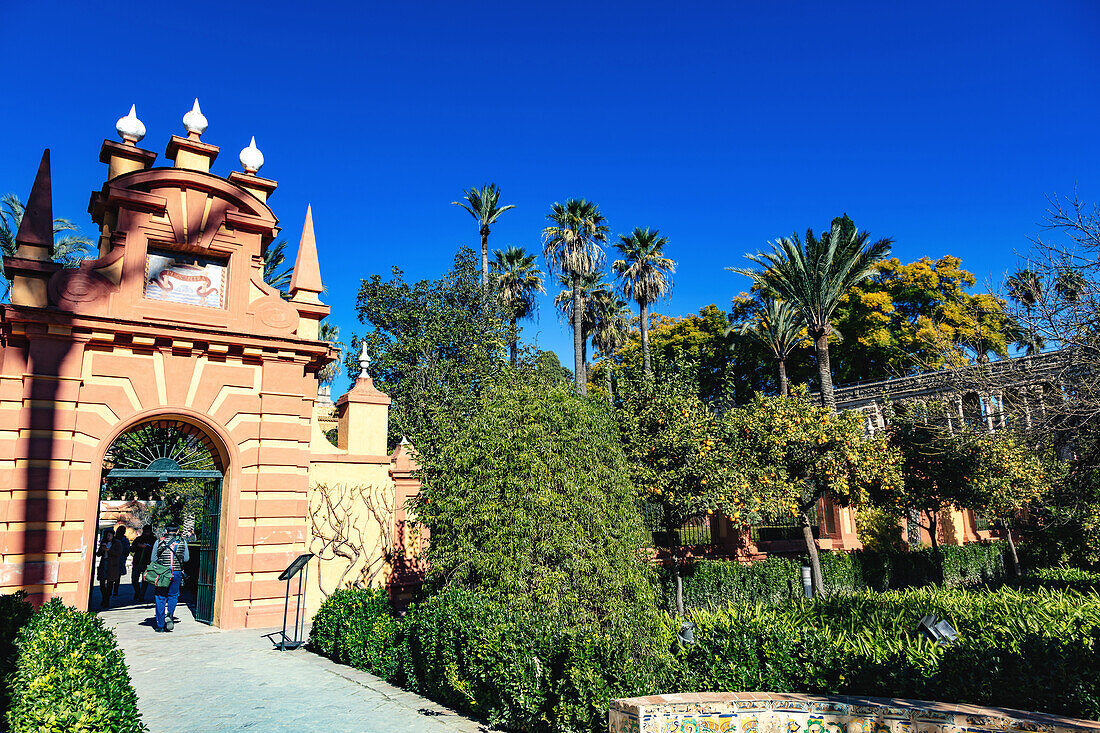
[1033, 650]
[716, 583]
[15, 612]
[70, 676]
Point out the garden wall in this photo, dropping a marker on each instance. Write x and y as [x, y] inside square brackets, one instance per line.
[765, 712]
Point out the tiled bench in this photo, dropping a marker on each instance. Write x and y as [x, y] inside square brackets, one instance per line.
[767, 712]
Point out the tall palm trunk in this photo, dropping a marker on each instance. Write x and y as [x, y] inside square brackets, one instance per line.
[647, 365]
[607, 374]
[815, 560]
[484, 256]
[824, 370]
[514, 338]
[783, 389]
[578, 336]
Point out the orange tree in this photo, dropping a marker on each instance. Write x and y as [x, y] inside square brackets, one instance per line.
[678, 453]
[1006, 477]
[936, 469]
[785, 454]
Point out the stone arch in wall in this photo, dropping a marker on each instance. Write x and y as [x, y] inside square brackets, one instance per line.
[151, 462]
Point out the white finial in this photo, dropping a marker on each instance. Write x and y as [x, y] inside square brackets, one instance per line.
[130, 128]
[364, 361]
[404, 441]
[252, 159]
[194, 121]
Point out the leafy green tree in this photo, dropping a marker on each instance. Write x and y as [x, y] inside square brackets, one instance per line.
[572, 245]
[700, 343]
[529, 502]
[779, 326]
[277, 271]
[645, 275]
[789, 454]
[814, 277]
[517, 280]
[433, 347]
[68, 250]
[481, 203]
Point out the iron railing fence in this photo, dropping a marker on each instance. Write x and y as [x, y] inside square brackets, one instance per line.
[698, 530]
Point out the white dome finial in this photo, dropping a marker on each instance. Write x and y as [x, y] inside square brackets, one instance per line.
[252, 159]
[364, 361]
[194, 121]
[130, 128]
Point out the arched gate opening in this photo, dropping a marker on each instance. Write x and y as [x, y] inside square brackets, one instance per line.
[171, 472]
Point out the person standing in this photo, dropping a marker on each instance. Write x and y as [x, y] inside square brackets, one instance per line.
[120, 535]
[142, 550]
[109, 550]
[171, 551]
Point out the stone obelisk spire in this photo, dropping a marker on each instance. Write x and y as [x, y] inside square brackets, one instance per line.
[35, 236]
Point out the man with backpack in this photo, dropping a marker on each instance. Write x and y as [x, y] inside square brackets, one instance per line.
[170, 551]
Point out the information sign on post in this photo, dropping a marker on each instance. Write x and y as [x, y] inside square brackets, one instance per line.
[296, 568]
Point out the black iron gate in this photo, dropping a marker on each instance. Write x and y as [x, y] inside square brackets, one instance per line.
[208, 552]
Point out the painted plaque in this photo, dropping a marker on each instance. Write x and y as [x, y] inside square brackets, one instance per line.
[185, 278]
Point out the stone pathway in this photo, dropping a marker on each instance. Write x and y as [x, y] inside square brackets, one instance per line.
[202, 680]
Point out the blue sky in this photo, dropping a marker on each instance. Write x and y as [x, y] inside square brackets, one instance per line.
[724, 124]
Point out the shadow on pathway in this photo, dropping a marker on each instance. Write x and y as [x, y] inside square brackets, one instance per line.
[200, 679]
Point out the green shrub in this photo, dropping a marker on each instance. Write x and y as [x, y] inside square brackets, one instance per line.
[356, 627]
[523, 670]
[714, 583]
[511, 666]
[1036, 651]
[15, 612]
[70, 676]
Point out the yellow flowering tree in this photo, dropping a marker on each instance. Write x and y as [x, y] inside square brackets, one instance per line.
[786, 454]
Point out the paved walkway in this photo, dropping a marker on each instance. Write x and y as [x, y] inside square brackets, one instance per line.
[202, 680]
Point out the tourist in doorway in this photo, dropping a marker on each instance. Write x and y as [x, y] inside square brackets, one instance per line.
[142, 550]
[171, 551]
[120, 535]
[110, 550]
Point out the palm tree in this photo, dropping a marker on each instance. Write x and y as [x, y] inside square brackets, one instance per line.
[646, 275]
[482, 205]
[611, 327]
[1069, 284]
[330, 333]
[814, 276]
[572, 247]
[590, 286]
[779, 326]
[68, 251]
[517, 279]
[1026, 288]
[277, 271]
